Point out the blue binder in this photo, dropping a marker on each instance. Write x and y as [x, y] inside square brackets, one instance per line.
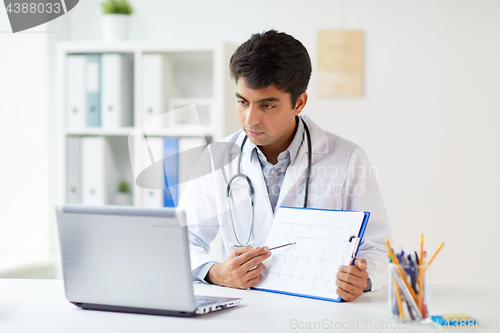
[359, 237]
[171, 171]
[93, 90]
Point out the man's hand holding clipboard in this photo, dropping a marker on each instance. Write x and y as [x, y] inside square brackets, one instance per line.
[352, 280]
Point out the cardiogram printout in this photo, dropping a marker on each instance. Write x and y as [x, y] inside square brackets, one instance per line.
[322, 238]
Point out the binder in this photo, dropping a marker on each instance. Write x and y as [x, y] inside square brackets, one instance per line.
[324, 240]
[171, 168]
[117, 90]
[93, 91]
[76, 96]
[177, 167]
[188, 158]
[153, 90]
[73, 163]
[98, 174]
[153, 198]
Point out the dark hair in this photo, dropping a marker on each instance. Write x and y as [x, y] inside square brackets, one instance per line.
[272, 57]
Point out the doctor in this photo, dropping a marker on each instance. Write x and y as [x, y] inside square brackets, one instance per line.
[272, 71]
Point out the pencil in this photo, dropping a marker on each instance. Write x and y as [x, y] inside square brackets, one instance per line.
[435, 253]
[421, 259]
[398, 268]
[420, 292]
[420, 278]
[440, 246]
[398, 299]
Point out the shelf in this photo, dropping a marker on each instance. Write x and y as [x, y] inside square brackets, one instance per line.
[181, 131]
[189, 74]
[76, 47]
[124, 131]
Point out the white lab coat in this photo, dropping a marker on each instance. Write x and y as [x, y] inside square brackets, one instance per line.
[341, 178]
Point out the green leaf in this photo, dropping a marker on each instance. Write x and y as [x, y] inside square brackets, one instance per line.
[124, 187]
[117, 7]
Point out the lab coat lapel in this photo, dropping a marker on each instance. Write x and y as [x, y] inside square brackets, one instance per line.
[293, 187]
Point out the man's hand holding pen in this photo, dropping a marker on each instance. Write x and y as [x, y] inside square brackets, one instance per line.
[241, 269]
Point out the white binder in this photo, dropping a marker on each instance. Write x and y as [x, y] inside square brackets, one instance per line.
[116, 90]
[153, 88]
[99, 180]
[93, 89]
[153, 197]
[187, 161]
[73, 165]
[76, 91]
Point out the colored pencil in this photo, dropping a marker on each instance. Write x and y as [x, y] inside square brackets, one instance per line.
[399, 270]
[398, 299]
[421, 259]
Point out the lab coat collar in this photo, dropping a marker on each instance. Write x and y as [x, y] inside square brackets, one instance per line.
[319, 140]
[296, 172]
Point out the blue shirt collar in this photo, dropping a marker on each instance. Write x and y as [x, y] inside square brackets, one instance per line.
[292, 150]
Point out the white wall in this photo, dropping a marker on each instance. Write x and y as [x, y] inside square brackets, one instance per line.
[23, 140]
[27, 217]
[427, 119]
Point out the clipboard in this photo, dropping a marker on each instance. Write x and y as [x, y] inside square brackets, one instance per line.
[324, 239]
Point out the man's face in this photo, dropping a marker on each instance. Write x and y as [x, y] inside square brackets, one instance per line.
[267, 115]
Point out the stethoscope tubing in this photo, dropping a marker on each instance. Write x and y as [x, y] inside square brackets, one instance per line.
[250, 186]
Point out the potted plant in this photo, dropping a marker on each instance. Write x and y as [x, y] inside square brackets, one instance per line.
[124, 197]
[115, 20]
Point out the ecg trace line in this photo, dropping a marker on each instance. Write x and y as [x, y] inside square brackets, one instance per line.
[308, 258]
[317, 225]
[313, 238]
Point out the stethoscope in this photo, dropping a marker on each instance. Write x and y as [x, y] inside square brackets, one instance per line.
[250, 188]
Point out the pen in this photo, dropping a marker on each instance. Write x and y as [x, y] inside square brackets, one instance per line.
[399, 270]
[277, 247]
[411, 269]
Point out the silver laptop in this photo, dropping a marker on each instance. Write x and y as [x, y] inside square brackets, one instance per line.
[129, 259]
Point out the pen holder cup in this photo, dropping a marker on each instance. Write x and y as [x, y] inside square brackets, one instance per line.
[410, 300]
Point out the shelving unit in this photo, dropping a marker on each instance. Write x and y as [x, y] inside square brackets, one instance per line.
[199, 74]
[194, 74]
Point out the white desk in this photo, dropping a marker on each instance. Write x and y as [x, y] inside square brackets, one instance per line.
[40, 306]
